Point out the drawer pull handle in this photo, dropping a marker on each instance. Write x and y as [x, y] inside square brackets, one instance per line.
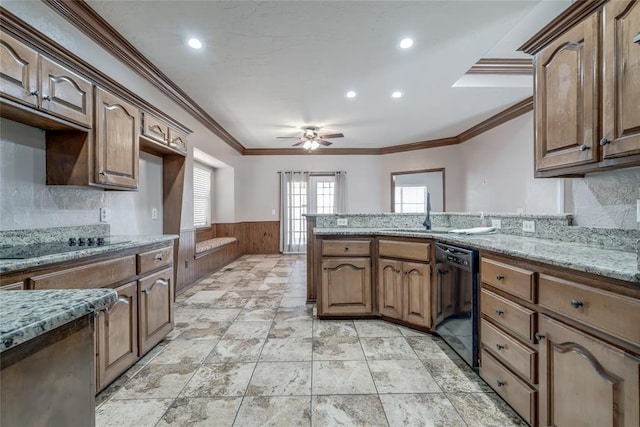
[539, 336]
[46, 98]
[499, 346]
[157, 282]
[500, 277]
[346, 249]
[501, 383]
[576, 303]
[158, 257]
[34, 93]
[499, 312]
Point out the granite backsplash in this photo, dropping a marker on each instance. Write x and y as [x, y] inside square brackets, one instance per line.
[53, 234]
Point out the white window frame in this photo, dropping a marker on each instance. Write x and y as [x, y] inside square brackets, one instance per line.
[401, 206]
[202, 177]
[314, 180]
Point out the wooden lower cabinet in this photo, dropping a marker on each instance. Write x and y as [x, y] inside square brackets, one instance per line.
[584, 381]
[117, 336]
[404, 291]
[346, 286]
[155, 296]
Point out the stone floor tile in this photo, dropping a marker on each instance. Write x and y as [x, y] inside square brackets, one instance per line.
[157, 382]
[216, 380]
[348, 410]
[337, 348]
[205, 297]
[247, 350]
[246, 330]
[255, 314]
[134, 412]
[402, 376]
[376, 328]
[198, 330]
[274, 411]
[333, 328]
[454, 376]
[427, 347]
[295, 314]
[433, 409]
[295, 302]
[342, 377]
[485, 410]
[281, 379]
[285, 329]
[201, 412]
[185, 352]
[396, 348]
[218, 315]
[286, 350]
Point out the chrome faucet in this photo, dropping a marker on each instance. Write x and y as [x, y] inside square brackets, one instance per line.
[427, 220]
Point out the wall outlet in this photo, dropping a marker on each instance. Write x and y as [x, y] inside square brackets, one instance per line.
[104, 214]
[529, 226]
[154, 213]
[343, 221]
[496, 223]
[638, 210]
[273, 211]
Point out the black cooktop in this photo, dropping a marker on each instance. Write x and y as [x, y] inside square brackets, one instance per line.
[35, 250]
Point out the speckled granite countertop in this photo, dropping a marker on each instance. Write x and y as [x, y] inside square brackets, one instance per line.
[126, 242]
[605, 262]
[25, 315]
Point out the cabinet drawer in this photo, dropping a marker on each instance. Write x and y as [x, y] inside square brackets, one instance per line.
[614, 314]
[509, 351]
[418, 251]
[153, 128]
[97, 275]
[152, 260]
[516, 392]
[513, 280]
[346, 247]
[508, 314]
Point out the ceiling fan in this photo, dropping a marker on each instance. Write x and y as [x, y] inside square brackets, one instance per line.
[311, 139]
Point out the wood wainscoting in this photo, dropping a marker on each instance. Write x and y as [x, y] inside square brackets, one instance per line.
[256, 237]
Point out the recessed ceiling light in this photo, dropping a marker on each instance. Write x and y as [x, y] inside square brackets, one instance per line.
[351, 94]
[406, 43]
[195, 43]
[396, 94]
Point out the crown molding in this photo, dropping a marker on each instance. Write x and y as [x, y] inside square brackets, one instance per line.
[567, 19]
[303, 152]
[422, 145]
[503, 66]
[83, 17]
[496, 120]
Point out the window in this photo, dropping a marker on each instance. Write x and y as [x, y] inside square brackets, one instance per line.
[411, 199]
[201, 196]
[322, 194]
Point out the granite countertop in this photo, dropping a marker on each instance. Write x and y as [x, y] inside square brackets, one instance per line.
[25, 315]
[605, 262]
[124, 242]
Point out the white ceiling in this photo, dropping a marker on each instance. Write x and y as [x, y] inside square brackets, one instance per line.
[267, 68]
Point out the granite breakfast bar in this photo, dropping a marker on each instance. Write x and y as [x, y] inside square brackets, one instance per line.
[47, 355]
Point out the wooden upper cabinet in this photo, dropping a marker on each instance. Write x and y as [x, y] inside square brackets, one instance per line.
[18, 71]
[116, 141]
[566, 97]
[621, 79]
[177, 140]
[64, 93]
[154, 128]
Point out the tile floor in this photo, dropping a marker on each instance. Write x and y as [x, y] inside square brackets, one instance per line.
[247, 351]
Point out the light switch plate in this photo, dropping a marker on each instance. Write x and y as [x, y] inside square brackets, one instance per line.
[104, 214]
[496, 223]
[343, 221]
[154, 213]
[529, 226]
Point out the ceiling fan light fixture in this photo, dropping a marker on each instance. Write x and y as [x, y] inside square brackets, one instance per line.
[396, 94]
[351, 94]
[406, 43]
[314, 145]
[194, 43]
[307, 145]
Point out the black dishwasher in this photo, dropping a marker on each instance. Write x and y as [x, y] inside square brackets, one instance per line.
[456, 302]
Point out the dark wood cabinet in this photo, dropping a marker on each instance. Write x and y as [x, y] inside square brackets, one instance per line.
[117, 335]
[64, 93]
[18, 71]
[155, 296]
[390, 288]
[417, 294]
[116, 141]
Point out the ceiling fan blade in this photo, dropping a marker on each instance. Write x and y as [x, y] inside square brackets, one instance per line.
[325, 143]
[331, 135]
[287, 137]
[298, 143]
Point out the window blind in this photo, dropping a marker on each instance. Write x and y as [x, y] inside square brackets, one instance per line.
[201, 196]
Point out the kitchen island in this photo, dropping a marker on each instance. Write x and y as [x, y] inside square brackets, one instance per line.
[47, 356]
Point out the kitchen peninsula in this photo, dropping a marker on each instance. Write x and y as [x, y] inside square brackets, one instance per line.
[556, 307]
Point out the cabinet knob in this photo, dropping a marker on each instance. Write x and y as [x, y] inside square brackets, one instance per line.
[34, 93]
[499, 312]
[499, 346]
[500, 277]
[346, 249]
[501, 383]
[584, 147]
[539, 336]
[604, 141]
[576, 303]
[46, 98]
[158, 257]
[102, 173]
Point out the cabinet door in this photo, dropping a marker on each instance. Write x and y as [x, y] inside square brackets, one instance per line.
[156, 308]
[444, 293]
[65, 93]
[566, 99]
[116, 137]
[18, 70]
[177, 140]
[585, 382]
[417, 294]
[117, 335]
[390, 288]
[621, 83]
[346, 286]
